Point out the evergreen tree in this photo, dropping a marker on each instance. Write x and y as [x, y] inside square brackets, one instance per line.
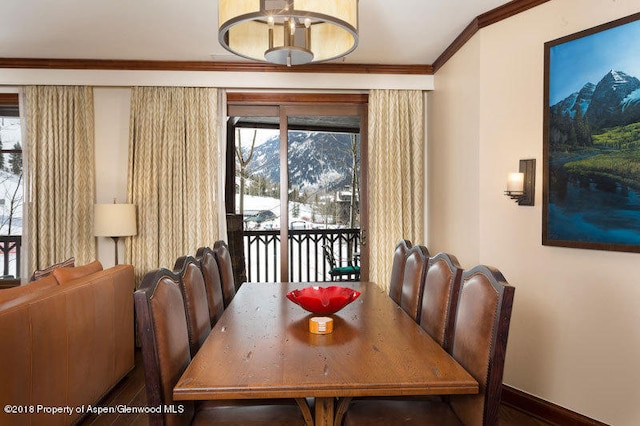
[582, 129]
[15, 160]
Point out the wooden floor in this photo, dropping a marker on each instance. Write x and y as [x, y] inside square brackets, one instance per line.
[130, 392]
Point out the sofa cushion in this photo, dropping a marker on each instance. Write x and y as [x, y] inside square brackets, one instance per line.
[41, 273]
[65, 275]
[16, 295]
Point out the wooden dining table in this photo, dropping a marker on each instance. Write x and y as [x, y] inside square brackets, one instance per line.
[262, 348]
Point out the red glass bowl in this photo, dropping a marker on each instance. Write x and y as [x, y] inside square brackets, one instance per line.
[323, 300]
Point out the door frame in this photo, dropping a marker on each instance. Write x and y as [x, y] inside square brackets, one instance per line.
[284, 105]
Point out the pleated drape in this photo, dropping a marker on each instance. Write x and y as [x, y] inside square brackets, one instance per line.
[396, 157]
[61, 188]
[172, 174]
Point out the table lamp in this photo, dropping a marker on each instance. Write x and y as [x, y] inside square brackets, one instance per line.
[114, 221]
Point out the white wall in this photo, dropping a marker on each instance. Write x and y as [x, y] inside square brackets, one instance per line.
[111, 109]
[575, 334]
[452, 158]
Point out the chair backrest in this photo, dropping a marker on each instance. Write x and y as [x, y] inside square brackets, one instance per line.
[212, 282]
[440, 298]
[194, 295]
[480, 341]
[223, 257]
[413, 280]
[397, 269]
[328, 255]
[162, 330]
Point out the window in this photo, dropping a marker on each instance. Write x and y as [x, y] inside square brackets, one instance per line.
[11, 186]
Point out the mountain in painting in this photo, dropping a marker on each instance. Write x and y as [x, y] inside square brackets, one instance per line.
[613, 101]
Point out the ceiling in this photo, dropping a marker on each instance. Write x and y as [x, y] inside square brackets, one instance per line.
[399, 32]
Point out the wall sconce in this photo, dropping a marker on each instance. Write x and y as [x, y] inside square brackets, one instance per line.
[522, 186]
[115, 221]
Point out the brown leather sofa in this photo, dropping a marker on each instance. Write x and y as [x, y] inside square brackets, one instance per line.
[65, 340]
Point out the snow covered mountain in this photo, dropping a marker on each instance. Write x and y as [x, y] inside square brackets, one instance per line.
[614, 101]
[316, 160]
[580, 99]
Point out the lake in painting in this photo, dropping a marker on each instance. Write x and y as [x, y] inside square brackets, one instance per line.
[582, 210]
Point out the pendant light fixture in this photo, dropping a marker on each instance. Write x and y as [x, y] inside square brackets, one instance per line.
[288, 32]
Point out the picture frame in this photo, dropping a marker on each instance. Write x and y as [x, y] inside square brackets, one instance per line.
[591, 147]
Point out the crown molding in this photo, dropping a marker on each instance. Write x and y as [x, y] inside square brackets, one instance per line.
[141, 65]
[495, 15]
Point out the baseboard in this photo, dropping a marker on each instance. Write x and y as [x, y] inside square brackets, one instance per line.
[544, 410]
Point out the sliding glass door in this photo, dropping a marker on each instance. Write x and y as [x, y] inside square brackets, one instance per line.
[299, 179]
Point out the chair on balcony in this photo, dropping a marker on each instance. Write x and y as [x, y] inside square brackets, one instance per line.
[397, 269]
[162, 327]
[479, 345]
[340, 273]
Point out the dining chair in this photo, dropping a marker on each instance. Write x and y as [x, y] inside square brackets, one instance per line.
[479, 345]
[413, 281]
[350, 272]
[397, 269]
[440, 298]
[194, 295]
[223, 258]
[212, 282]
[162, 327]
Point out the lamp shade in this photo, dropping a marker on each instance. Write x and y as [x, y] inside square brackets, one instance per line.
[515, 182]
[114, 220]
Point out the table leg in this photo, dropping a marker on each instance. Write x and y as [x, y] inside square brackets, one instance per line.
[343, 405]
[324, 411]
[306, 411]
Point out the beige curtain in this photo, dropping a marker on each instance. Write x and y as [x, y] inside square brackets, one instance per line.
[60, 168]
[396, 147]
[172, 174]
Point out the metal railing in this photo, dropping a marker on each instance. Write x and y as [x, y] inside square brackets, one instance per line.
[10, 248]
[306, 258]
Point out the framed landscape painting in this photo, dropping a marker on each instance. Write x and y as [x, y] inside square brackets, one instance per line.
[592, 138]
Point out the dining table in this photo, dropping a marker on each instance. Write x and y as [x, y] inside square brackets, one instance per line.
[261, 348]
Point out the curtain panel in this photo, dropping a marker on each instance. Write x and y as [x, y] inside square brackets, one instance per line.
[60, 174]
[396, 188]
[173, 164]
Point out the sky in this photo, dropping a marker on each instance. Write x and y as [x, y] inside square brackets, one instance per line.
[262, 136]
[588, 59]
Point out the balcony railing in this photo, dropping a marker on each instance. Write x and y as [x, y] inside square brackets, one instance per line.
[10, 247]
[306, 257]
